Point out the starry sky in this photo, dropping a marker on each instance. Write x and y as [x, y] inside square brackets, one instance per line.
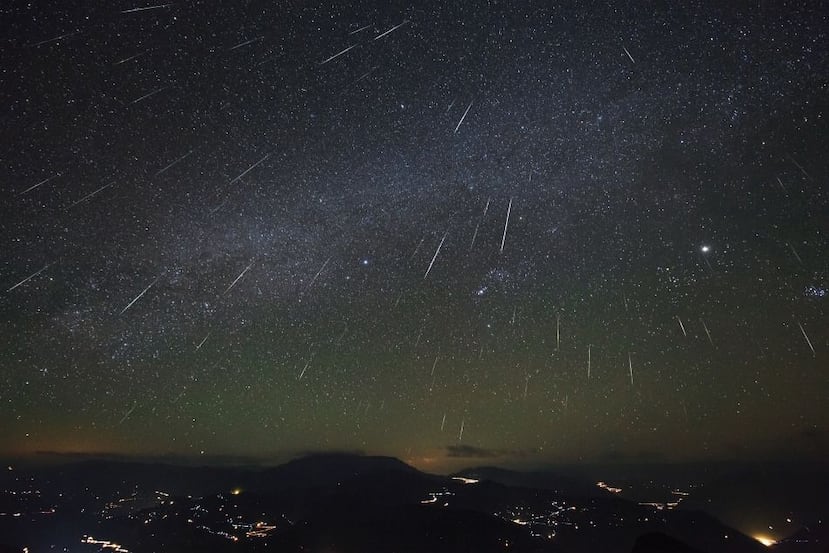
[452, 232]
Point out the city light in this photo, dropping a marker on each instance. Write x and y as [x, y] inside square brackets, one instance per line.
[765, 540]
[463, 480]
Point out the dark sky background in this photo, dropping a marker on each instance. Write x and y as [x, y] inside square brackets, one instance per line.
[520, 232]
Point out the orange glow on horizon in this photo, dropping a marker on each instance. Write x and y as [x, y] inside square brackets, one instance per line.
[764, 539]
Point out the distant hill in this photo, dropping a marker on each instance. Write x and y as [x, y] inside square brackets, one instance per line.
[331, 469]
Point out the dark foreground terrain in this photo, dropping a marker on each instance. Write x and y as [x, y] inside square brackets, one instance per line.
[346, 503]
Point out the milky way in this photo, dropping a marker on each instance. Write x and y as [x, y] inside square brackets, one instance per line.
[524, 232]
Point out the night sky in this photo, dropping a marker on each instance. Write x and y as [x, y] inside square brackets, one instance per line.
[453, 233]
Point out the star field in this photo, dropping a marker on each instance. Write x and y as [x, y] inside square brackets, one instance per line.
[515, 231]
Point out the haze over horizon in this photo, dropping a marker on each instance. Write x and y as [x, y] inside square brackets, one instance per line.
[516, 235]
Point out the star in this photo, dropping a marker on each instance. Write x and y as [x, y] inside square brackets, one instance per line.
[189, 223]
